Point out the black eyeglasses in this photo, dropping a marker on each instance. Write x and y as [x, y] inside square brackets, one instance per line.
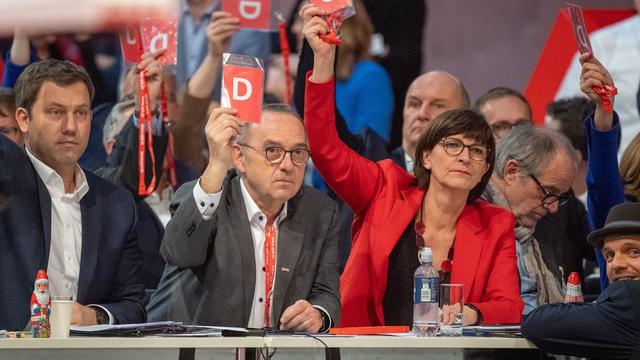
[501, 128]
[455, 147]
[550, 198]
[275, 154]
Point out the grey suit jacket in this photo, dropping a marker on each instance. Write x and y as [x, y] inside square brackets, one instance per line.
[220, 253]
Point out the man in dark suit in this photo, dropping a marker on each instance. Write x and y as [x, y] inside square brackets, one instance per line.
[58, 217]
[262, 249]
[608, 328]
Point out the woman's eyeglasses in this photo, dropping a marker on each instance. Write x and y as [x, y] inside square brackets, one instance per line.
[455, 147]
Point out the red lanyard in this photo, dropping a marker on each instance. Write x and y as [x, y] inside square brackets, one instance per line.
[145, 139]
[270, 267]
[173, 179]
[284, 49]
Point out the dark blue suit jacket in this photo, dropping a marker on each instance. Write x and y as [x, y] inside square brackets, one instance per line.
[606, 329]
[110, 258]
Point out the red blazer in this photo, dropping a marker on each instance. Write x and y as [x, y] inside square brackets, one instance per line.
[385, 200]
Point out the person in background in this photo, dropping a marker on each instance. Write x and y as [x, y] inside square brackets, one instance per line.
[562, 236]
[121, 139]
[454, 159]
[399, 39]
[617, 46]
[604, 179]
[194, 25]
[503, 108]
[8, 125]
[364, 94]
[567, 116]
[630, 170]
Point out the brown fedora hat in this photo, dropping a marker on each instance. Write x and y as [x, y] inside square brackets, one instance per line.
[623, 219]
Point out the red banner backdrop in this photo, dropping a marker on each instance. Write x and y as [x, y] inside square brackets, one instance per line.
[558, 52]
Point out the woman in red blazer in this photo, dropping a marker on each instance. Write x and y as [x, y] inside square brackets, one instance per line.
[454, 162]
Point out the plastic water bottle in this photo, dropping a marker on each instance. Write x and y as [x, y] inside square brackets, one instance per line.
[426, 285]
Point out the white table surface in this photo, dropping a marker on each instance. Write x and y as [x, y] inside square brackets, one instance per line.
[269, 341]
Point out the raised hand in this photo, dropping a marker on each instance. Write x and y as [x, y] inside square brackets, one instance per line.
[324, 53]
[153, 69]
[221, 130]
[219, 32]
[593, 78]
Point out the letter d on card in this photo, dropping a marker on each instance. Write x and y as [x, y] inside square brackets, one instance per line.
[579, 28]
[160, 34]
[253, 14]
[243, 85]
[130, 42]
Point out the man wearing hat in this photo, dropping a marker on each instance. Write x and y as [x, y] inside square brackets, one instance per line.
[610, 327]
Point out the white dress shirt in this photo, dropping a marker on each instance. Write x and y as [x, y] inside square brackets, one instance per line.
[160, 204]
[257, 221]
[65, 250]
[408, 162]
[208, 203]
[66, 229]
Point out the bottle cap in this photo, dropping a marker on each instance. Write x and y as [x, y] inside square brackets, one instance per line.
[425, 255]
[574, 279]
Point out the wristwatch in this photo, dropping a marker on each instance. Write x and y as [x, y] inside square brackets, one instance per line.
[480, 319]
[326, 321]
[102, 317]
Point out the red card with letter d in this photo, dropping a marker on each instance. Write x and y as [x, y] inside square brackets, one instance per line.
[243, 85]
[253, 14]
[130, 42]
[579, 28]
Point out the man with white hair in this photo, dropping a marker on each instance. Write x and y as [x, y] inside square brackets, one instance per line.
[534, 167]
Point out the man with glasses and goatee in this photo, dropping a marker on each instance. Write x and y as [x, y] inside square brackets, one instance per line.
[262, 247]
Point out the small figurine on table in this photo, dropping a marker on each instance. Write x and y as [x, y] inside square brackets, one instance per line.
[40, 306]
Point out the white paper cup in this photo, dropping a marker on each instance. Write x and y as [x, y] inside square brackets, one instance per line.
[60, 316]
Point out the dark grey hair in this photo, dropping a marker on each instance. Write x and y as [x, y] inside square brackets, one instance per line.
[60, 72]
[498, 93]
[533, 147]
[243, 133]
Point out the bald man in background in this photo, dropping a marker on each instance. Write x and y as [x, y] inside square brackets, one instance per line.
[428, 96]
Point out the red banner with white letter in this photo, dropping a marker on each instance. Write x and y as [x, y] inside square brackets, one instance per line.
[243, 85]
[558, 51]
[253, 14]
